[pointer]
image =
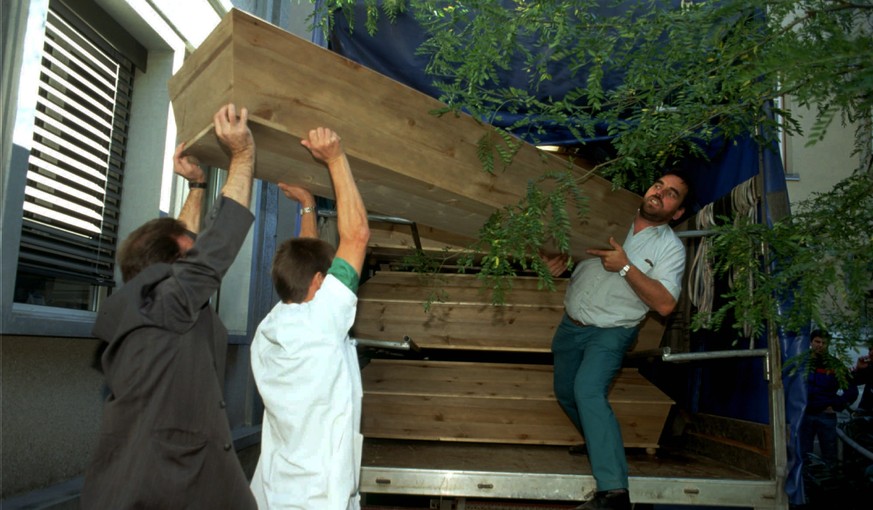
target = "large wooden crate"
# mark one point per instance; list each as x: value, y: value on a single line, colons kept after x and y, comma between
x: 460, y: 314
x: 407, y: 162
x: 495, y: 403
x: 482, y: 402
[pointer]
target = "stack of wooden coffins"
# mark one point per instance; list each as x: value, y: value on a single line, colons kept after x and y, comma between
x: 482, y: 401
x: 424, y: 168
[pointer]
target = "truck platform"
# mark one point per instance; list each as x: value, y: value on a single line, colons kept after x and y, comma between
x: 550, y: 473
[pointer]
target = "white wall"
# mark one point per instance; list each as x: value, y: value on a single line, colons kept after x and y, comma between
x: 820, y: 166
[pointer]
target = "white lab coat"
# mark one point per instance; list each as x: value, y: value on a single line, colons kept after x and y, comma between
x: 306, y: 370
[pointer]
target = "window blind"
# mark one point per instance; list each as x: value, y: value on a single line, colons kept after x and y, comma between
x: 76, y: 163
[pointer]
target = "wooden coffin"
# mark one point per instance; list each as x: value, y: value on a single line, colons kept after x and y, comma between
x: 495, y: 403
x: 460, y: 315
x: 407, y: 162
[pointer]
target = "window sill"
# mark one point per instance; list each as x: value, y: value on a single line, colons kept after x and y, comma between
x: 25, y: 319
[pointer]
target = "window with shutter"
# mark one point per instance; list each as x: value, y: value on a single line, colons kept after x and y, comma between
x: 75, y: 169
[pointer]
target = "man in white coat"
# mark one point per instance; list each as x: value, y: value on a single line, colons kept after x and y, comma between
x: 304, y: 363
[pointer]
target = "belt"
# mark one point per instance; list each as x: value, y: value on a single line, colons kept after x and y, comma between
x: 574, y: 321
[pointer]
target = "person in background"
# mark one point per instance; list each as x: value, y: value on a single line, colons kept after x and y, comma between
x: 825, y: 398
x: 165, y: 440
x: 608, y: 297
x: 304, y: 363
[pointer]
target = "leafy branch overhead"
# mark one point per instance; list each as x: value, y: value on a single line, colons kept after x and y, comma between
x: 662, y: 80
x: 513, y: 236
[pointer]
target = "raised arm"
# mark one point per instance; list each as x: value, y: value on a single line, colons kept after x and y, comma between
x: 237, y: 141
x: 308, y: 223
x: 354, y: 231
x: 188, y: 167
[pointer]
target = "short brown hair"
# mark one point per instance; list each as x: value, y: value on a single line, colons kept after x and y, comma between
x: 153, y: 242
x: 295, y: 263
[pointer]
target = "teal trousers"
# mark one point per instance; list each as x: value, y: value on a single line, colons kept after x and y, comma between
x: 587, y: 359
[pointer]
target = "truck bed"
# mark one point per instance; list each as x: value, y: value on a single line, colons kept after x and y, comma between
x: 538, y: 472
x: 473, y: 414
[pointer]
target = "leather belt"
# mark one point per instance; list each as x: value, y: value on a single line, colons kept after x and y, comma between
x: 574, y: 321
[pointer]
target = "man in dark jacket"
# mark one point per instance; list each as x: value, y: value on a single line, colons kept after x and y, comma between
x: 165, y: 440
x: 825, y: 398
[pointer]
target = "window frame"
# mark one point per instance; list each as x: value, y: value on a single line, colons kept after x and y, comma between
x: 76, y: 165
x: 152, y: 124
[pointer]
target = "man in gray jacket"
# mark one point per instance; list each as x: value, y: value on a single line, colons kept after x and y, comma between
x: 165, y: 439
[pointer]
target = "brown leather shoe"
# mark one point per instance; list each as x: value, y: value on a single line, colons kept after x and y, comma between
x: 608, y: 500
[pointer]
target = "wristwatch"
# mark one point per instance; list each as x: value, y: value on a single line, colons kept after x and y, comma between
x: 304, y: 210
x: 624, y: 270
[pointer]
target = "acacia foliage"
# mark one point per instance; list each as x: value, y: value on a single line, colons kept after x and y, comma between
x: 812, y: 267
x: 661, y: 77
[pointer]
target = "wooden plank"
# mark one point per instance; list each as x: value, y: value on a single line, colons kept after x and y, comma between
x: 497, y: 420
x: 494, y: 403
x: 459, y: 289
x: 490, y: 380
x: 408, y: 162
x: 459, y: 326
x: 651, y: 333
x: 398, y: 239
x: 473, y: 420
x: 461, y: 379
x: 391, y: 305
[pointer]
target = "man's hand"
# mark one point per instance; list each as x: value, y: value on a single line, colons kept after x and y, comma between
x: 233, y: 132
x: 308, y: 221
x: 613, y: 260
x: 351, y: 215
x: 556, y: 263
x: 324, y: 144
x: 297, y: 193
x: 236, y: 139
x: 187, y: 166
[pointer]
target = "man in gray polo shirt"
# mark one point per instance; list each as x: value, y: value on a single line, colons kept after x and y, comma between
x: 608, y: 297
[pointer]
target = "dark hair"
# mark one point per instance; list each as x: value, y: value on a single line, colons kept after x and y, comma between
x: 295, y: 263
x: 151, y: 243
x: 688, y: 201
x: 819, y: 333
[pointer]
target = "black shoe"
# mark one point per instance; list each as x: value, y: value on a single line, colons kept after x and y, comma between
x: 608, y: 500
x: 578, y: 449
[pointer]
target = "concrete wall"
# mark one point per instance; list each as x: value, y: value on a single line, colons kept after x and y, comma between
x: 52, y: 403
x: 52, y: 399
x: 819, y: 167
